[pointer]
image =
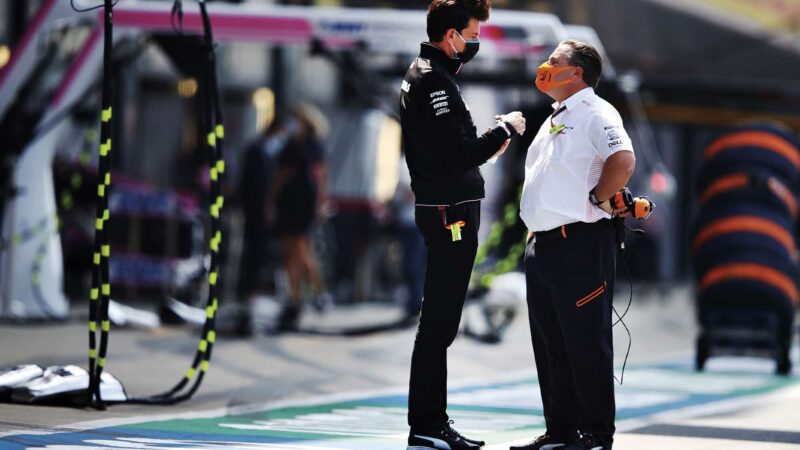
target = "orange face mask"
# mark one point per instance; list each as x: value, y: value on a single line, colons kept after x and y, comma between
x: 545, y: 77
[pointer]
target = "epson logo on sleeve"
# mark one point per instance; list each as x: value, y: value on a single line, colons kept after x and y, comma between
x: 612, y: 127
x: 437, y: 94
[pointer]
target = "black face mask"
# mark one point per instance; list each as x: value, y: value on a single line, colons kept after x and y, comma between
x: 470, y: 50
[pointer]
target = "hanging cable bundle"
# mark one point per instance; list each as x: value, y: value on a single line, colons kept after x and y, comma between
x: 213, y: 123
x: 101, y: 285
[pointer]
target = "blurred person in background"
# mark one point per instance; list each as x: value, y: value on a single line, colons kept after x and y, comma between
x: 443, y: 153
x: 258, y: 169
x: 296, y: 197
x: 580, y: 158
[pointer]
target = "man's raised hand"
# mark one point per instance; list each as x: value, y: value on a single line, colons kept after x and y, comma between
x: 515, y: 119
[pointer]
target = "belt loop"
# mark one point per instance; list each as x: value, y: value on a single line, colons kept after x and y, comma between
x: 564, y: 231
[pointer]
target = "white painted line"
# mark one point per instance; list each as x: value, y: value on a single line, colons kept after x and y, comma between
x: 506, y: 377
x: 715, y: 407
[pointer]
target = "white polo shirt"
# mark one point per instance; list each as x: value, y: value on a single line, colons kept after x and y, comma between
x: 564, y: 162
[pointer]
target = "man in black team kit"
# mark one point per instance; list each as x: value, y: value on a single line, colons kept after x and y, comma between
x: 443, y: 152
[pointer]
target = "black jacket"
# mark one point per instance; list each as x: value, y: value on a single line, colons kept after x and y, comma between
x: 442, y: 147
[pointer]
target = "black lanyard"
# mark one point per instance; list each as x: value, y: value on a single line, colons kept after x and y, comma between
x: 560, y: 110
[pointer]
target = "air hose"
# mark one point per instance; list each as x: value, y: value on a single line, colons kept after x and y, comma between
x: 101, y: 286
x: 213, y: 124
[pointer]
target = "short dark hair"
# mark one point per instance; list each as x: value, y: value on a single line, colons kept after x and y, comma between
x: 446, y: 14
x: 586, y: 56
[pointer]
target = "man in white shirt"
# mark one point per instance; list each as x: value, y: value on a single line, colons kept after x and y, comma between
x: 578, y: 160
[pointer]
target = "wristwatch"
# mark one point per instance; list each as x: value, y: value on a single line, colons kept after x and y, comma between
x: 593, y: 198
x: 509, y: 129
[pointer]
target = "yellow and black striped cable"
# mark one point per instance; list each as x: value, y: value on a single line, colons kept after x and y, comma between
x: 26, y: 235
x: 100, y: 293
x: 515, y: 253
x: 101, y: 287
x: 215, y: 138
x: 36, y: 273
x: 37, y: 232
x: 67, y: 197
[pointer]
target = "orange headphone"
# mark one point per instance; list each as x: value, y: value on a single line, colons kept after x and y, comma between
x: 640, y: 207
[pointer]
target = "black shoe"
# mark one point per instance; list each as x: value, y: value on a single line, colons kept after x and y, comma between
x: 543, y: 442
x: 444, y: 439
x: 449, y: 427
x: 586, y: 441
x: 289, y: 318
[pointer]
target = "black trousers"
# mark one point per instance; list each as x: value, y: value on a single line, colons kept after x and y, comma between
x: 447, y: 274
x: 570, y: 283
